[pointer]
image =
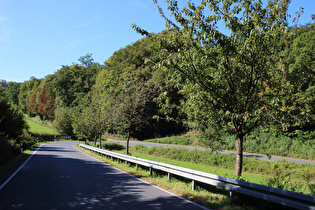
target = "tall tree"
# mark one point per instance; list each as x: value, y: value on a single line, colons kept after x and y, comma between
x: 74, y: 82
x: 136, y: 62
x: 91, y: 118
x: 46, y: 98
x: 11, y: 119
x: 33, y: 101
x: 13, y: 93
x: 129, y: 105
x: 64, y: 121
x: 26, y: 89
x: 225, y: 72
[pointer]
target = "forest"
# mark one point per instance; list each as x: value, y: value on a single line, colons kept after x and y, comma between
x: 188, y: 77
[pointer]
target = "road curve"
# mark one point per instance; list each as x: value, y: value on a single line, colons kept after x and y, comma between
x: 250, y: 155
x: 58, y: 176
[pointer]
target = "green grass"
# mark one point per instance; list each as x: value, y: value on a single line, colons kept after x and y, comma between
x: 186, y: 139
x: 259, y: 141
x: 39, y: 128
x: 282, y: 174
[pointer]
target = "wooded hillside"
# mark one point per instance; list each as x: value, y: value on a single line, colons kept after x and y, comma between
x: 190, y: 76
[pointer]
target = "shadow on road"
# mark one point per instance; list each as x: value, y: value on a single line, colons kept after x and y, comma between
x: 64, y: 178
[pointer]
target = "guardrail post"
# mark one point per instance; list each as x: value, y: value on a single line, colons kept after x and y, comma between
x: 150, y: 170
x: 169, y: 176
x: 136, y: 166
x: 193, y: 185
x: 232, y: 194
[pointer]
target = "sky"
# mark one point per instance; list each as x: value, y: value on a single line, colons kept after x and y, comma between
x: 38, y: 37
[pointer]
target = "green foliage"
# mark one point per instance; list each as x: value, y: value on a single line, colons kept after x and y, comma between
x: 113, y: 146
x: 300, y: 100
x: 11, y: 119
x: 134, y: 61
x: 63, y: 122
x: 129, y: 75
x: 33, y: 102
x: 26, y: 89
x: 91, y: 119
x: 223, y: 84
x: 226, y: 77
x: 73, y: 82
x: 13, y: 93
x: 12, y: 90
x: 260, y: 141
x: 187, y: 139
x: 285, y: 180
x: 264, y: 141
x: 194, y: 156
x: 8, y: 149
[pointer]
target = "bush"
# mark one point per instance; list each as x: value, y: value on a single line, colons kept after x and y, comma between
x: 264, y: 141
x: 187, y: 139
x: 112, y: 146
x: 8, y: 149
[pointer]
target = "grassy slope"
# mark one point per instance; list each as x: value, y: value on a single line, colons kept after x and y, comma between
x: 39, y: 128
x: 300, y: 150
x: 295, y: 180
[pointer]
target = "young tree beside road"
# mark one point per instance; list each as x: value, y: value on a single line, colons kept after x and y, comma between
x: 227, y: 73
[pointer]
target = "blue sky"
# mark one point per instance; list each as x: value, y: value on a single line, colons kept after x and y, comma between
x: 37, y: 37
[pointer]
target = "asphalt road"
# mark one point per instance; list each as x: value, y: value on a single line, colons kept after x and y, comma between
x: 250, y: 155
x: 58, y: 176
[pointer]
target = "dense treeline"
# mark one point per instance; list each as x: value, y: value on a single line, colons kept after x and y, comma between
x: 147, y: 89
x: 75, y: 88
x: 76, y: 96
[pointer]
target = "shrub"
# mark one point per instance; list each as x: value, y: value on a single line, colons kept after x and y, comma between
x: 113, y: 146
x: 8, y: 149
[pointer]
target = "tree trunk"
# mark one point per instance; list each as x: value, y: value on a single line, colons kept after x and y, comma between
x: 127, y: 145
x: 94, y: 141
x: 100, y: 136
x: 239, y: 155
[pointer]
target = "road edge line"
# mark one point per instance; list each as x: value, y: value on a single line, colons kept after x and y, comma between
x: 11, y: 177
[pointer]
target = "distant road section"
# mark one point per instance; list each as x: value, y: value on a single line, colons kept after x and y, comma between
x: 251, y: 155
x: 58, y: 176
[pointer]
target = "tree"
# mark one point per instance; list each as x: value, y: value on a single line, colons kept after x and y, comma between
x: 299, y: 103
x: 33, y: 101
x: 11, y: 119
x: 73, y: 82
x: 63, y: 121
x: 26, y: 89
x: 13, y: 93
x: 136, y: 62
x: 225, y: 73
x: 129, y: 105
x: 91, y: 119
x: 46, y: 104
x: 46, y: 98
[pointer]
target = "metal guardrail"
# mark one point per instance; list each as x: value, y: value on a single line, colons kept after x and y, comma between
x: 283, y: 197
